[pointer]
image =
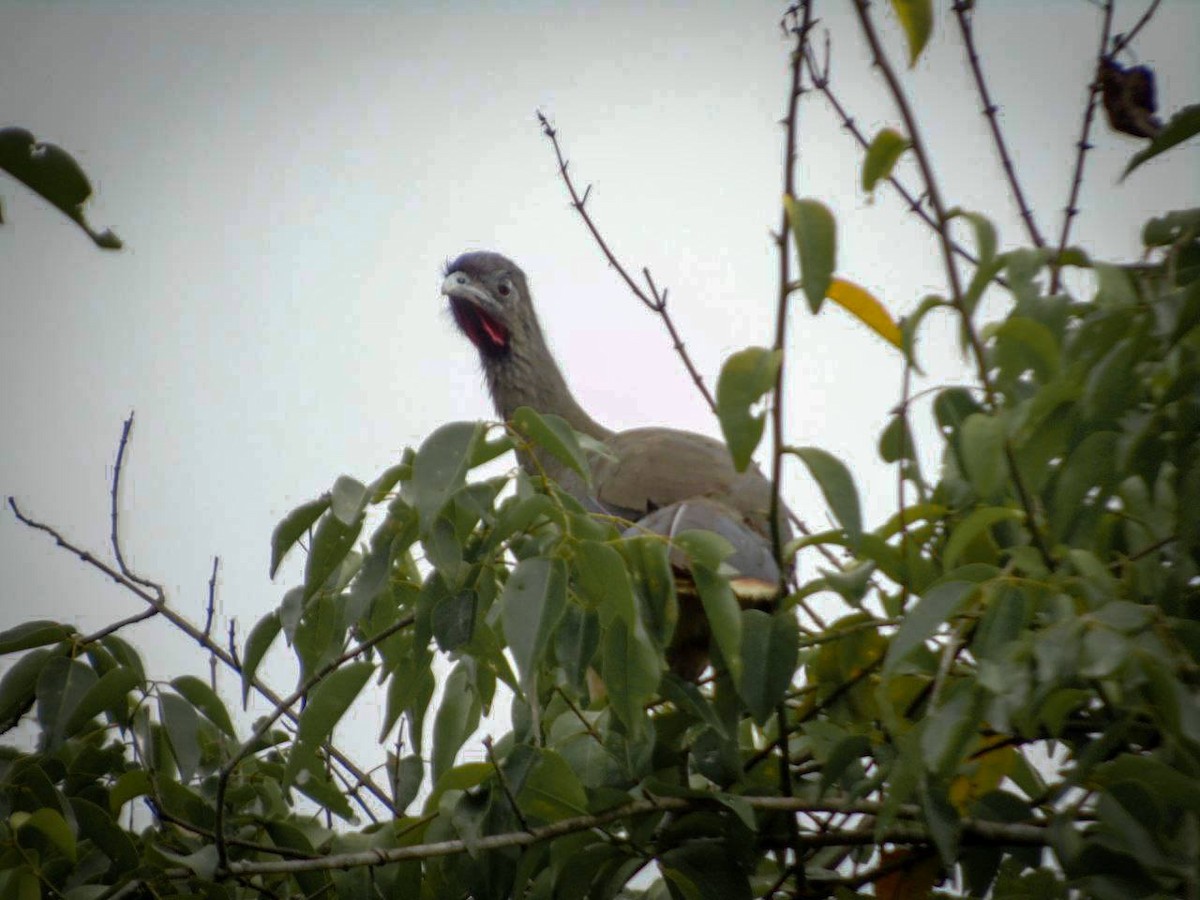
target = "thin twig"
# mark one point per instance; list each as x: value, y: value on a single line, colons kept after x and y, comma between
x: 820, y: 81
x: 798, y: 22
x: 117, y: 626
x: 1121, y: 41
x: 1082, y: 145
x: 114, y: 513
x: 282, y: 707
x: 655, y: 301
x: 195, y: 634
x: 964, y: 13
x: 504, y: 785
x: 939, y: 209
x: 208, y: 621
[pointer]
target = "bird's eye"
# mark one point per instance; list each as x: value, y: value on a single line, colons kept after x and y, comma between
x: 504, y: 289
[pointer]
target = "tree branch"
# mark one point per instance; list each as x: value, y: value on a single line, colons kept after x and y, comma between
x: 964, y: 12
x: 655, y: 301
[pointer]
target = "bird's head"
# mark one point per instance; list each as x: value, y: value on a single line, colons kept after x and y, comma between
x: 489, y: 298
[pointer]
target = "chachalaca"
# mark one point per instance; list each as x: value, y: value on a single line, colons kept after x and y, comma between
x: 662, y: 480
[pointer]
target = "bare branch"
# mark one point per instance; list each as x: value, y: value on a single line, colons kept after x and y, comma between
x: 973, y: 830
x: 964, y: 12
x: 113, y: 516
x: 197, y: 635
x: 1121, y: 41
x: 1082, y: 145
x: 655, y: 301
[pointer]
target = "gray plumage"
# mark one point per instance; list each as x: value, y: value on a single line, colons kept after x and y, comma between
x: 661, y: 479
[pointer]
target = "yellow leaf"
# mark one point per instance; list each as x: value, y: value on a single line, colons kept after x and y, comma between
x: 916, y: 17
x: 859, y: 303
x: 987, y: 768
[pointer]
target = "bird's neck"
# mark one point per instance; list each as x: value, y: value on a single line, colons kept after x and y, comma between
x: 529, y: 376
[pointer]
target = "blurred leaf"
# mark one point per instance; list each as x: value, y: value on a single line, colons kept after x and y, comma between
x: 552, y: 791
x: 182, y: 726
x: 51, y: 824
x: 916, y: 17
x: 35, y: 633
x: 109, y: 693
x: 440, y: 468
x: 61, y: 685
x: 602, y: 580
x: 814, y: 231
x: 348, y: 499
x: 705, y: 870
x: 293, y: 527
x: 456, y: 719
x: 770, y: 652
x: 331, y: 542
x: 257, y: 644
x: 201, y: 696
x: 886, y: 148
x: 95, y: 824
x: 554, y: 435
x: 632, y: 670
x: 745, y: 378
x: 723, y: 614
x: 863, y: 306
x: 407, y: 774
x: 974, y: 526
x: 52, y: 173
x: 18, y: 685
x: 1180, y: 127
x: 453, y: 620
x: 327, y: 703
x: 938, y: 606
x: 982, y: 438
x: 837, y: 486
x: 532, y: 605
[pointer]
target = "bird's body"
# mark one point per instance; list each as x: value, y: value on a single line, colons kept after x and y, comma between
x: 662, y: 480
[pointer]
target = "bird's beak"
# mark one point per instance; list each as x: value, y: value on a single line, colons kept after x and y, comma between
x: 459, y: 286
x: 474, y: 311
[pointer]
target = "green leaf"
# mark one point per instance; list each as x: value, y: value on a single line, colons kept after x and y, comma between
x: 886, y: 148
x: 814, y: 231
x: 261, y: 637
x: 837, y: 486
x: 916, y: 17
x: 745, y: 378
x: 348, y: 499
x: 293, y: 527
x: 51, y: 824
x: 552, y: 790
x: 982, y: 439
x: 129, y: 785
x: 938, y: 606
x: 97, y: 825
x: 632, y: 670
x: 203, y: 863
x: 554, y: 435
x: 453, y: 620
x: 33, y: 634
x: 532, y: 603
x: 17, y: 687
x: 109, y: 693
x: 61, y: 685
x: 974, y: 525
x: 723, y: 614
x: 1183, y: 125
x: 705, y: 870
x: 456, y: 719
x: 407, y: 775
x: 770, y: 651
x: 182, y: 726
x: 51, y: 172
x: 602, y: 581
x: 331, y: 542
x: 201, y: 696
x: 327, y: 703
x: 440, y: 468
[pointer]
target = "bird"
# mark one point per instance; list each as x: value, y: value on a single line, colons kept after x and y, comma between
x: 661, y: 480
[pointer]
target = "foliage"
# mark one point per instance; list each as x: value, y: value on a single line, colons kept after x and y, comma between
x: 1010, y: 703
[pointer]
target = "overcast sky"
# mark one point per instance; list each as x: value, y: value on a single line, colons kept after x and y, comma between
x: 288, y: 185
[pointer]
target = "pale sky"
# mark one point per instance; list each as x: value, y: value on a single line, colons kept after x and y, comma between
x: 289, y: 183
